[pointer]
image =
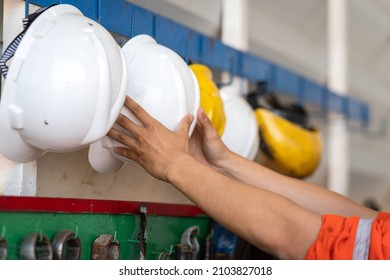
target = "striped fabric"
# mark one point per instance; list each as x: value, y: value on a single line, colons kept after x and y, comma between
x: 9, y: 52
x: 362, y: 240
x: 11, y: 49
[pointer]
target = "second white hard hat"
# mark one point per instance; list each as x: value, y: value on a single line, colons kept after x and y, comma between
x: 241, y: 131
x: 162, y: 83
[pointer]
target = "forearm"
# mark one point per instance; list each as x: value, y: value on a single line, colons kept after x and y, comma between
x: 269, y: 221
x: 308, y: 196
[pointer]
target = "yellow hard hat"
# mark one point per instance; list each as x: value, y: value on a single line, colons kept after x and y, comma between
x: 210, y: 99
x: 297, y: 150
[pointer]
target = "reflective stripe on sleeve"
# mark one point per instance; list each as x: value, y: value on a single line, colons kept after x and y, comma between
x: 362, y: 240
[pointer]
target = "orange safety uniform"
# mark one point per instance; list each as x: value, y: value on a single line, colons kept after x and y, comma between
x: 336, y: 239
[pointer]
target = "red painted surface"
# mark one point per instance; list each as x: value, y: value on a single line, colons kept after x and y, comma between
x: 71, y: 205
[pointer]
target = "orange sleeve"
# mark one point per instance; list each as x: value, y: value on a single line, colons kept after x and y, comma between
x: 380, y: 238
x: 335, y: 240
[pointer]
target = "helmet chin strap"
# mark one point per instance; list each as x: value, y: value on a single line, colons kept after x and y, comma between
x: 11, y: 49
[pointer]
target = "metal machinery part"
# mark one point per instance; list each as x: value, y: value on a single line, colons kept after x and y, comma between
x: 105, y: 248
x: 114, y: 250
x: 167, y: 254
x: 189, y: 238
x: 183, y: 252
x: 208, y: 246
x: 36, y: 246
x: 142, y: 234
x: 164, y: 256
x: 3, y: 249
x: 66, y: 246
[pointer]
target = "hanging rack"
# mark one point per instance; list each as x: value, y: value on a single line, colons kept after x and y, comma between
x: 129, y: 20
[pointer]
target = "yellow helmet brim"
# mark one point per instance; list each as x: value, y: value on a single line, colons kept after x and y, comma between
x: 210, y: 99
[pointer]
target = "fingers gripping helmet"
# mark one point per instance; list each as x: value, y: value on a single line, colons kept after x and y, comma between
x: 210, y: 99
x: 64, y: 88
x: 241, y: 131
x: 161, y: 82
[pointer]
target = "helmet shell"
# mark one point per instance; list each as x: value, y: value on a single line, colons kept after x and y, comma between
x: 241, y: 131
x: 65, y: 86
x: 295, y: 149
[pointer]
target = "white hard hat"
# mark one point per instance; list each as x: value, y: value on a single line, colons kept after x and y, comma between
x: 241, y: 131
x: 65, y: 86
x: 162, y: 83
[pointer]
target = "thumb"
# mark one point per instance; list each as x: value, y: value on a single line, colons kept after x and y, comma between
x: 185, y: 123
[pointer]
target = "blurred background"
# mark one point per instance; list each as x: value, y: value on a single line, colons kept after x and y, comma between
x: 294, y: 34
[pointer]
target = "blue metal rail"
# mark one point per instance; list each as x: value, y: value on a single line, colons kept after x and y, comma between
x: 129, y: 20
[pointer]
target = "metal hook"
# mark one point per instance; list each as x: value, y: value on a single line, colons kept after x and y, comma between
x: 133, y: 241
x: 364, y: 125
x: 189, y: 238
x: 114, y: 239
x: 26, y: 8
x: 253, y: 97
x: 163, y: 255
x: 132, y: 26
x: 231, y: 75
x: 40, y: 235
x: 3, y: 231
x: 186, y: 54
x: 142, y: 236
x: 99, y: 11
x: 375, y: 134
x: 323, y: 112
x: 370, y: 134
x: 76, y: 233
x: 263, y: 88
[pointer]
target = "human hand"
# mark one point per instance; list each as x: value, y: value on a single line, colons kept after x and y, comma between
x: 205, y: 143
x: 153, y: 146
